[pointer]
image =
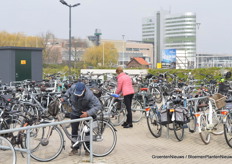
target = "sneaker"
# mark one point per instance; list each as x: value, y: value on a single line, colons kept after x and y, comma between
x: 73, y: 152
x: 128, y: 126
x: 124, y: 124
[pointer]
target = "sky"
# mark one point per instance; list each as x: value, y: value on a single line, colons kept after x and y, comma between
x: 116, y: 18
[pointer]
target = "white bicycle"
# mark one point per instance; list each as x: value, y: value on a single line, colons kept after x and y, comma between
x: 211, y: 120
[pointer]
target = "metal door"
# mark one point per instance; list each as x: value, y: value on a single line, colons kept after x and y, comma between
x: 22, y: 65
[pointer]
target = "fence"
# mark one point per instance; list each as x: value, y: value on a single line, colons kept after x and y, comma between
x: 45, y: 125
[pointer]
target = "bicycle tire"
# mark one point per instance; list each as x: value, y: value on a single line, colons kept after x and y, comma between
x: 137, y: 110
x: 13, y: 123
x: 178, y: 130
x: 228, y: 131
x: 5, y: 126
x: 118, y: 116
x: 192, y: 125
x: 101, y: 128
x: 44, y: 150
x: 6, y: 156
x: 204, y: 133
x: 218, y: 125
x: 153, y: 124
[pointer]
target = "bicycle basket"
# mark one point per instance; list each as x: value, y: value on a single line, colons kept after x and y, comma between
x: 219, y: 100
x: 53, y: 108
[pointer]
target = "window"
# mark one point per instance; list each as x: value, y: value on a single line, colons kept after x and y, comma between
x: 135, y: 49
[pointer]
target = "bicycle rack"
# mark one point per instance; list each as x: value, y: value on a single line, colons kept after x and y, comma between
x: 45, y: 125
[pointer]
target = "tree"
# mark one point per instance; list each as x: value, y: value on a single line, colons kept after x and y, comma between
x: 19, y: 40
x: 103, y: 55
x: 51, y: 53
x: 78, y: 47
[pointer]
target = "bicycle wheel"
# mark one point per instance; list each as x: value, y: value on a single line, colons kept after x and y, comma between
x: 204, y: 133
x: 153, y: 124
x: 118, y: 116
x: 46, y: 146
x: 104, y: 138
x: 10, y: 124
x: 137, y: 110
x: 228, y: 131
x: 192, y: 125
x: 7, y: 152
x: 178, y: 130
x: 218, y: 128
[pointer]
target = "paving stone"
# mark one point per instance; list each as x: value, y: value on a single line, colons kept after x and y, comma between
x: 137, y: 146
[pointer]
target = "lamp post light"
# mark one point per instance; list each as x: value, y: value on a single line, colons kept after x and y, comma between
x: 123, y: 53
x: 70, y: 39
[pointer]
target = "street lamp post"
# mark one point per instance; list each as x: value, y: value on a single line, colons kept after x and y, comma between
x: 123, y: 50
x: 70, y: 39
x: 103, y: 62
x: 198, y: 26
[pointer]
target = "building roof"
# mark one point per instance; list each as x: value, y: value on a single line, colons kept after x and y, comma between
x: 141, y: 61
x: 21, y: 48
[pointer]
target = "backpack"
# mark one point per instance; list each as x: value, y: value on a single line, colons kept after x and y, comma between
x: 96, y: 91
x: 54, y: 107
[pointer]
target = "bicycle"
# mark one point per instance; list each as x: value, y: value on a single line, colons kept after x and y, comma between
x: 153, y: 120
x: 7, y: 151
x: 227, y: 121
x: 10, y: 120
x: 173, y: 112
x: 104, y: 138
x: 210, y: 120
x: 114, y: 107
x: 139, y: 103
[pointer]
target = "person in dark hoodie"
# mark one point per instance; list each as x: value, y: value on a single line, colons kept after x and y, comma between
x: 84, y: 104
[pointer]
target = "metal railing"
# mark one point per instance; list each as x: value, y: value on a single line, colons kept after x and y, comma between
x: 27, y: 150
x: 195, y: 100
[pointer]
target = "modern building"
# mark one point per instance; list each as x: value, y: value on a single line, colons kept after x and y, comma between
x: 213, y: 60
x: 172, y: 31
x: 148, y: 29
x: 130, y: 49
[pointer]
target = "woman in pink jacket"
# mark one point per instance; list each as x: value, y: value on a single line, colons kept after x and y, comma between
x: 125, y: 88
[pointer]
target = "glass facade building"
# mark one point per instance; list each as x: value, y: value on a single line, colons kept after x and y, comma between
x: 172, y: 31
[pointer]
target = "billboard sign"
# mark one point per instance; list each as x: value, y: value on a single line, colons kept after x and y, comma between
x: 169, y: 58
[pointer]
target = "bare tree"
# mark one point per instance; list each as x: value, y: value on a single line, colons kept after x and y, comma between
x: 47, y: 41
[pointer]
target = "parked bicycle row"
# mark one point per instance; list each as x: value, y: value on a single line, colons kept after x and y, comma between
x: 171, y: 104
